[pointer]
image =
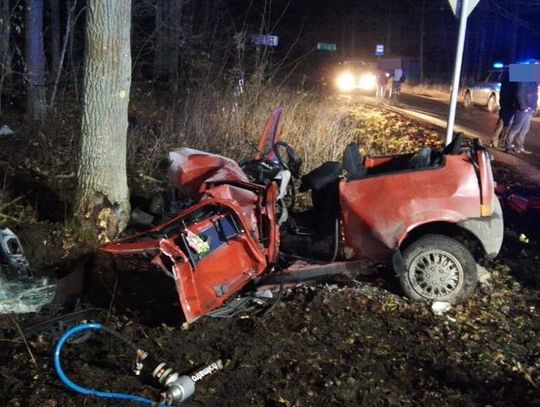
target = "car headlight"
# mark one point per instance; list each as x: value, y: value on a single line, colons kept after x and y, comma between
x: 368, y: 81
x: 345, y: 82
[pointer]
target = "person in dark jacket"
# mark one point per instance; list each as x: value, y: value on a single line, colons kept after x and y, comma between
x: 507, y: 102
x: 526, y: 103
x: 382, y: 81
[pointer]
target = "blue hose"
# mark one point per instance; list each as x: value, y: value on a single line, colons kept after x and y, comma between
x: 84, y: 390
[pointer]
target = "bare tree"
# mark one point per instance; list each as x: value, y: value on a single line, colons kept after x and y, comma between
x: 175, y: 33
x: 35, y: 60
x: 160, y: 48
x: 55, y: 37
x: 5, y: 51
x: 421, y: 42
x: 71, y: 19
x: 102, y: 201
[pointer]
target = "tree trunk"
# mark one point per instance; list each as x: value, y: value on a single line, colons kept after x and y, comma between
x: 173, y: 54
x: 389, y: 23
x: 35, y: 60
x: 5, y: 51
x: 421, y: 42
x: 514, y: 52
x: 160, y: 48
x: 102, y: 201
x: 481, y: 49
x: 55, y: 38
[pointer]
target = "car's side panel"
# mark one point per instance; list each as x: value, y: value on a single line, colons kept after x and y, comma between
x: 379, y: 211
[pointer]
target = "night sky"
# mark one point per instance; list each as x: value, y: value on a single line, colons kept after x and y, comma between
x: 498, y: 30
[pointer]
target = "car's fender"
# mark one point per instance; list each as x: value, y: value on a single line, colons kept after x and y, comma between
x: 488, y: 230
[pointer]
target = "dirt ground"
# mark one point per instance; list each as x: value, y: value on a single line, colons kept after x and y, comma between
x: 351, y: 343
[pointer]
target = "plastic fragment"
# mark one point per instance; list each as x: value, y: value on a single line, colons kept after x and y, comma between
x: 196, y: 243
x: 440, y: 307
x: 523, y: 238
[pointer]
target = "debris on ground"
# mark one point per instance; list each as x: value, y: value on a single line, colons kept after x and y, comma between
x: 519, y: 199
x: 440, y: 307
x: 24, y: 296
x: 5, y: 132
x: 13, y: 262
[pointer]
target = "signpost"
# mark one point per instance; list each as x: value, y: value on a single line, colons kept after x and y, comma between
x: 461, y: 8
x: 265, y: 40
x: 379, y: 50
x: 325, y: 46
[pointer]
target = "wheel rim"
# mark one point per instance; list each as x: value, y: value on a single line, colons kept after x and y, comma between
x: 436, y: 274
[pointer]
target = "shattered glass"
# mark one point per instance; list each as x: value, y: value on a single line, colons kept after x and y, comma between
x: 20, y: 292
x: 27, y: 295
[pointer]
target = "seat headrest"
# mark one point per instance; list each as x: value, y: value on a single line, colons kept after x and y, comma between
x: 352, y: 162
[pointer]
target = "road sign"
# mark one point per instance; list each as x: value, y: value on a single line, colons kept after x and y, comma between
x: 266, y: 40
x: 325, y: 46
x: 379, y: 50
x: 456, y: 6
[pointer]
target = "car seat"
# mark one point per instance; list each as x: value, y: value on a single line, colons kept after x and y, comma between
x: 352, y: 162
x: 422, y: 159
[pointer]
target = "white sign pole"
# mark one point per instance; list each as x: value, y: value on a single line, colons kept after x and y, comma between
x: 457, y: 69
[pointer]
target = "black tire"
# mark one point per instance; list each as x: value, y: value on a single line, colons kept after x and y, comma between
x: 491, y: 104
x: 452, y: 274
x: 467, y: 100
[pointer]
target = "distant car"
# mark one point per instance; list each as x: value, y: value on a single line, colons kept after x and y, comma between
x: 484, y: 92
x: 354, y: 76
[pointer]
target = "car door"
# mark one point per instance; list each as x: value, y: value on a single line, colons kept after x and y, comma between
x: 486, y: 88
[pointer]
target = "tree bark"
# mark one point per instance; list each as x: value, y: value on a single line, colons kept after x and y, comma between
x: 55, y: 38
x: 160, y: 48
x: 421, y: 42
x: 102, y: 202
x: 5, y: 51
x: 390, y: 22
x: 35, y: 60
x: 173, y: 54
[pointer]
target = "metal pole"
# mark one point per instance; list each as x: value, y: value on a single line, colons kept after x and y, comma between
x: 457, y: 70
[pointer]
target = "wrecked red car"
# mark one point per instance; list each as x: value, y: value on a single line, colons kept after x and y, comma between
x: 432, y: 215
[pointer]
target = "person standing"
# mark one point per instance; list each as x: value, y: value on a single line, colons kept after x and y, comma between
x: 382, y: 82
x: 526, y: 103
x: 397, y: 78
x: 507, y: 102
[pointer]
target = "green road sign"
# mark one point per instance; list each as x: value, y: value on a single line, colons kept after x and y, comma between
x: 325, y: 46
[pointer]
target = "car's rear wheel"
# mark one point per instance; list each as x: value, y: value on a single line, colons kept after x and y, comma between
x: 467, y: 100
x: 438, y: 268
x: 491, y: 104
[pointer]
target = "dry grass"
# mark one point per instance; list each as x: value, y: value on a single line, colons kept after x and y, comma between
x: 437, y: 90
x: 317, y: 126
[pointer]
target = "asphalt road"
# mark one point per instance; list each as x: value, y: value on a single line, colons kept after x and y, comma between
x: 475, y: 122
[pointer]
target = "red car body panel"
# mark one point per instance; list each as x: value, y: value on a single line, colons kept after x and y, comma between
x: 377, y: 212
x: 206, y: 283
